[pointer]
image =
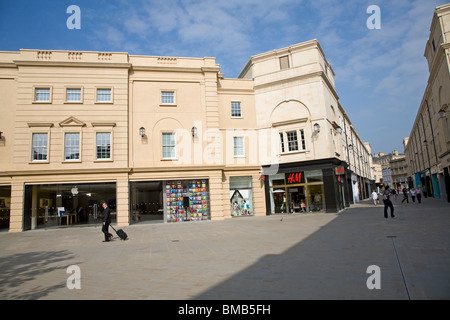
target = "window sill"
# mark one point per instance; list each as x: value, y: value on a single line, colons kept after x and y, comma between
x: 39, y: 162
x: 168, y: 105
x: 293, y: 152
x: 103, y: 160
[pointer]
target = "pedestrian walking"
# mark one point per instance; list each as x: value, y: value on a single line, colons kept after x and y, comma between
x: 387, y: 202
x: 374, y: 197
x: 106, y: 221
x: 405, y: 195
x: 394, y: 192
x: 413, y: 194
x: 419, y: 194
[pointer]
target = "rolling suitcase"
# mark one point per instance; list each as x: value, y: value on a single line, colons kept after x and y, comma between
x: 122, y: 234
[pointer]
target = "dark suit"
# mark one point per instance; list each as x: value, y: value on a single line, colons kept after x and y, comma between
x: 106, y: 220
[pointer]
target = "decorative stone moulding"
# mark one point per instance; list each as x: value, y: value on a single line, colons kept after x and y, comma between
x: 44, y: 55
x: 167, y: 60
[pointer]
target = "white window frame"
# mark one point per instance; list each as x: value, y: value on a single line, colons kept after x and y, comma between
x: 47, y: 147
x: 73, y: 101
x: 163, y: 145
x: 286, y: 148
x: 173, y: 103
x: 110, y: 145
x: 111, y: 100
x: 66, y: 147
x: 235, y: 104
x: 35, y: 93
x: 239, y: 147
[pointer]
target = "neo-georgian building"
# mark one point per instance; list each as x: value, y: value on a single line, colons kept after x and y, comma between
x: 171, y: 139
x: 428, y: 149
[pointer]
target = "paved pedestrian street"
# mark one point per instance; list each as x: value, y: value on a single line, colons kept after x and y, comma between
x: 302, y: 256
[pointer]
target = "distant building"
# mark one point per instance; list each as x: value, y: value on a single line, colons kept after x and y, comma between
x: 428, y: 149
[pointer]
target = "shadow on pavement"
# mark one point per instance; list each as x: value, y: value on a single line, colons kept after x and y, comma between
x: 23, y: 275
x: 333, y: 262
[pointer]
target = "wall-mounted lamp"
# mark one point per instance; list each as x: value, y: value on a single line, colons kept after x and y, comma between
x: 194, y: 131
x: 425, y: 141
x: 316, y: 128
x: 442, y: 113
x: 350, y: 147
x: 142, y: 131
x: 338, y: 129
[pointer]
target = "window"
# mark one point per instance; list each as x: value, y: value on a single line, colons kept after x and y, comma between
x: 42, y: 95
x: 284, y: 62
x: 104, y: 95
x: 292, y: 141
x: 73, y: 95
x: 168, y: 145
x: 238, y: 146
x: 103, y: 145
x: 40, y: 147
x: 167, y: 97
x: 302, y: 136
x: 72, y: 146
x: 236, y: 111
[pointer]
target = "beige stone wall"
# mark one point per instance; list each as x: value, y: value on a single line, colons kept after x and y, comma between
x: 272, y: 101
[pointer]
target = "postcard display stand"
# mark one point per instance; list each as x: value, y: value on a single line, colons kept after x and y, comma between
x: 196, y: 191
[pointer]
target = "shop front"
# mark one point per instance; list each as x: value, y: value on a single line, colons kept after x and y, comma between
x: 169, y: 201
x: 241, y: 196
x: 186, y: 200
x: 51, y: 205
x: 5, y: 206
x: 310, y: 187
x: 301, y: 191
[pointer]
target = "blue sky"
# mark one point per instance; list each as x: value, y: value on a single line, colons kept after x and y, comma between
x: 381, y: 75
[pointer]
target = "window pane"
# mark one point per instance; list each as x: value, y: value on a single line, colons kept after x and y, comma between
x: 168, y: 145
x: 282, y: 141
x: 42, y: 94
x: 104, y: 95
x: 236, y: 109
x: 238, y: 146
x: 104, y: 145
x: 73, y: 95
x: 72, y: 146
x: 292, y: 140
x: 39, y: 148
x: 302, y: 137
x: 167, y: 97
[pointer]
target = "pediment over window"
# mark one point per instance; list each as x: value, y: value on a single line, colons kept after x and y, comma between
x: 72, y: 122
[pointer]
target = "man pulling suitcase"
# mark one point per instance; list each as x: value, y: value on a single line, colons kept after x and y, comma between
x: 106, y: 221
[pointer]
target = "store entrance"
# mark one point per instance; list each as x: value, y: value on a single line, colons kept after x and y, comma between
x: 296, y: 199
x: 146, y: 201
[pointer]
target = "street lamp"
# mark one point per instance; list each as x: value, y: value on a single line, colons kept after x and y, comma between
x: 442, y: 114
x: 338, y: 129
x: 194, y: 131
x: 316, y: 128
x: 142, y: 131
